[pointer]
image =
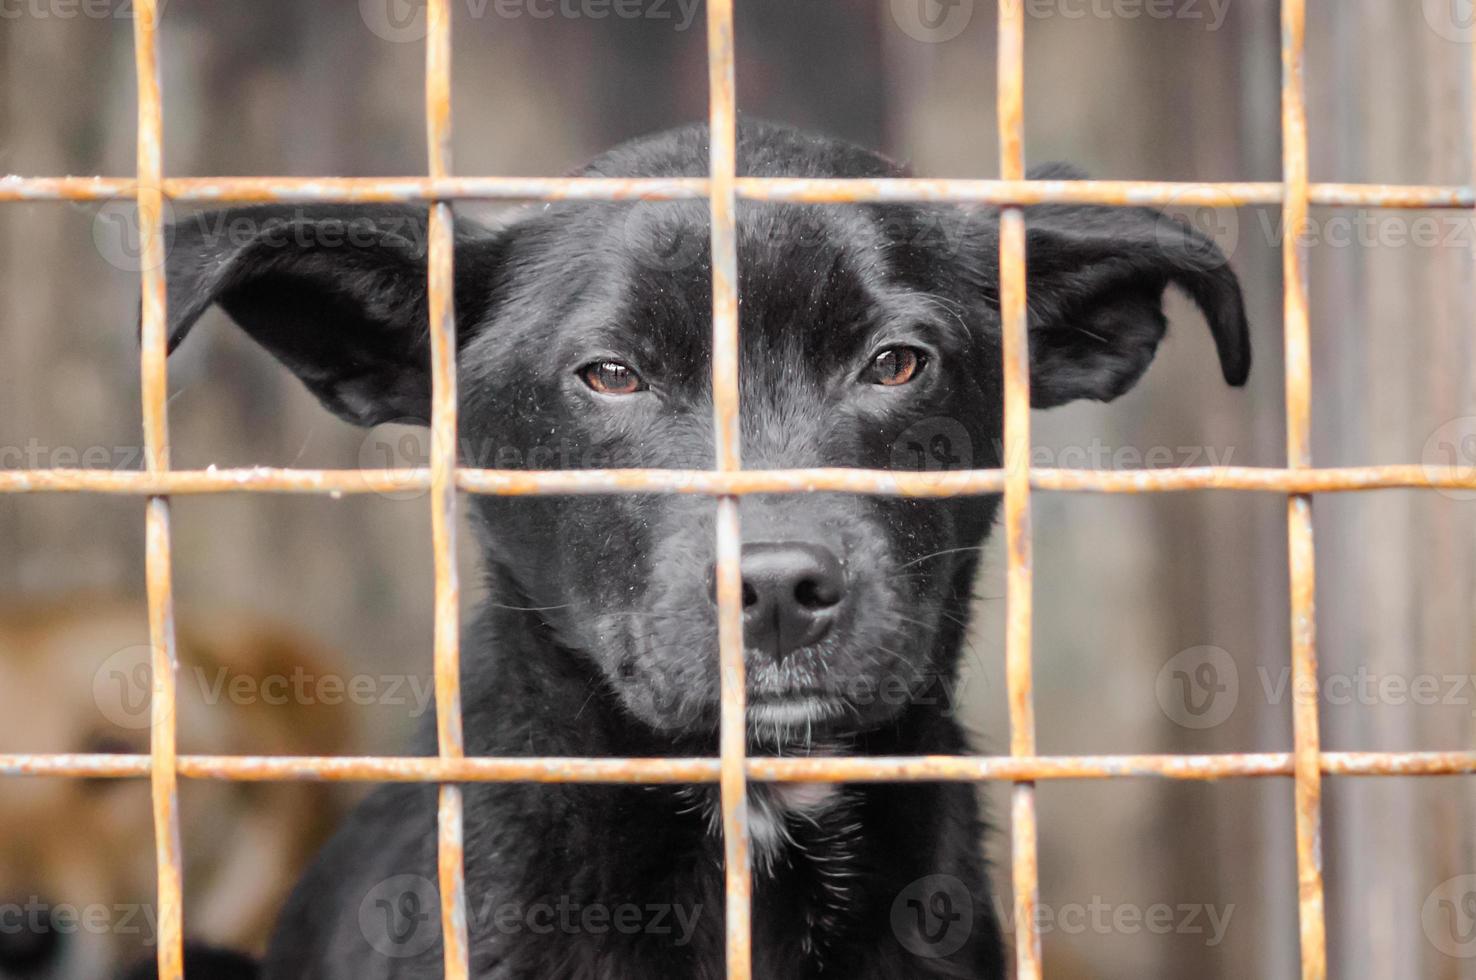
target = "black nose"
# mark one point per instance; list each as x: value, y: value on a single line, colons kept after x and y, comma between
x: 791, y: 593
x: 29, y: 944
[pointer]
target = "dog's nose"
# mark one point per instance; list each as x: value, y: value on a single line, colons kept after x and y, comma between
x: 791, y: 593
x: 31, y: 945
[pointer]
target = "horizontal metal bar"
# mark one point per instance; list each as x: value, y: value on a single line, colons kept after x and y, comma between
x: 425, y: 189
x: 27, y: 189
x: 1109, y: 192
x: 430, y: 769
x: 263, y: 190
x: 516, y: 483
x: 243, y: 190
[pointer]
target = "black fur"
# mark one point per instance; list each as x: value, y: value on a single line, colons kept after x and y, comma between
x: 203, y: 963
x: 598, y: 638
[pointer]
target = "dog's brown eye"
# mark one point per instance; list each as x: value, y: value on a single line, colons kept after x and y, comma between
x: 895, y: 366
x: 612, y: 378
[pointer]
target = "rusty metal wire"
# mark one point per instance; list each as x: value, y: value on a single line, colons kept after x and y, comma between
x: 514, y: 483
x: 733, y: 734
x: 157, y: 564
x: 1019, y: 581
x: 417, y: 769
x: 290, y: 190
x: 1306, y: 764
x: 441, y: 290
x: 1302, y: 560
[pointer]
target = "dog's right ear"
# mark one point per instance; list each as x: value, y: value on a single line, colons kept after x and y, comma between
x: 336, y: 293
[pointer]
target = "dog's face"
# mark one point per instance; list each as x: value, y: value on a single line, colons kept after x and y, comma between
x: 869, y: 338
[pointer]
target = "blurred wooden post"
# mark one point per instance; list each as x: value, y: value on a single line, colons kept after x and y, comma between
x: 1395, y: 349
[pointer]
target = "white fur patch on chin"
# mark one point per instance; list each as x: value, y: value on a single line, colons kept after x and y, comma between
x: 770, y: 808
x: 804, y: 797
x: 787, y: 714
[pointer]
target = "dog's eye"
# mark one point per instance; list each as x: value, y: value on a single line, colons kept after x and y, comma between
x: 895, y: 366
x: 612, y: 378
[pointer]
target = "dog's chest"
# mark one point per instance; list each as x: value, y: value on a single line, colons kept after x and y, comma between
x: 809, y: 866
x: 783, y: 815
x: 807, y: 846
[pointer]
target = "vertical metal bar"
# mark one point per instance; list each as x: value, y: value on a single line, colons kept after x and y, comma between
x: 163, y: 749
x: 1302, y: 562
x: 722, y: 165
x: 1019, y: 585
x: 451, y: 869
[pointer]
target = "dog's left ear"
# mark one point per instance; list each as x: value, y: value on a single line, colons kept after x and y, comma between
x: 337, y: 293
x: 1095, y: 283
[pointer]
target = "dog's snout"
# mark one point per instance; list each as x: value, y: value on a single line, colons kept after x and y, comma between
x: 31, y: 945
x: 791, y: 593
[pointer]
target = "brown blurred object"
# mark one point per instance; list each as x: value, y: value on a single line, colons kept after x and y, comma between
x: 77, y: 679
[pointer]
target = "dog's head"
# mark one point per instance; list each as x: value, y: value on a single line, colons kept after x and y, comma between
x: 870, y: 338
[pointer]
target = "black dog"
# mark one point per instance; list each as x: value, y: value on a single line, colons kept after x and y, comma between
x: 870, y: 338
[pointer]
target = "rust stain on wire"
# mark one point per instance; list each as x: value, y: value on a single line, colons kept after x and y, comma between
x: 164, y: 781
x: 732, y: 737
x: 656, y: 771
x: 1019, y: 583
x: 738, y: 483
x: 1301, y: 555
x: 247, y: 190
x: 434, y: 188
x: 441, y: 291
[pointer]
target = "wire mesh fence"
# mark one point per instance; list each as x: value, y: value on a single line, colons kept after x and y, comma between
x: 1298, y: 481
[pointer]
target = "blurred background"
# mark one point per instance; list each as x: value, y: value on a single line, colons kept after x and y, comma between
x: 1162, y: 623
